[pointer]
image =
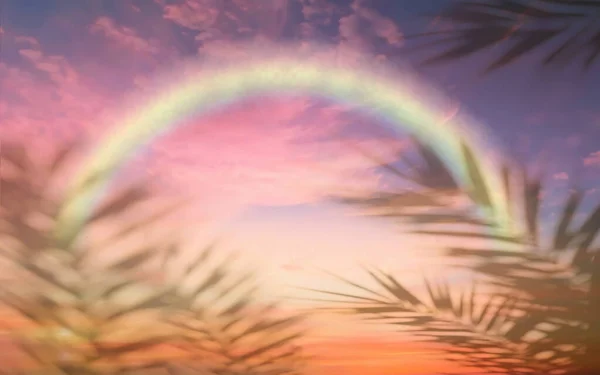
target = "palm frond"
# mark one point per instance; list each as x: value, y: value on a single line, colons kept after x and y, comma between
x: 482, y: 334
x: 429, y: 185
x: 569, y: 30
x: 568, y: 291
x: 223, y: 329
x: 556, y: 282
x: 545, y: 264
x: 431, y: 205
x: 427, y: 171
x: 578, y: 242
x: 90, y: 317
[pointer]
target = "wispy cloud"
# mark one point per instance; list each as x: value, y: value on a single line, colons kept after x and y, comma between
x: 252, y: 155
x: 124, y: 36
x: 193, y: 14
x: 361, y: 30
x: 45, y: 97
x: 562, y: 176
x: 234, y: 20
x: 592, y: 160
x: 365, y: 26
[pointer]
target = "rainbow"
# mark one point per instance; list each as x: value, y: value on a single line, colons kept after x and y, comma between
x: 388, y: 99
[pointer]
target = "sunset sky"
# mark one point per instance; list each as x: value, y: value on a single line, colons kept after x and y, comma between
x: 259, y: 170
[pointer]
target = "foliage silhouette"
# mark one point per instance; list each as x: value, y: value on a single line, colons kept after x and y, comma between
x: 541, y: 316
x: 569, y: 29
x: 88, y: 316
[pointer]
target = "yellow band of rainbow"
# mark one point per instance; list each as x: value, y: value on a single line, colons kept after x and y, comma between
x: 389, y: 100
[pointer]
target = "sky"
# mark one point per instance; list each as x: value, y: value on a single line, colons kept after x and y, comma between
x: 260, y: 170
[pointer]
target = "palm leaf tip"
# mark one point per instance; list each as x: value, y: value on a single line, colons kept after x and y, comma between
x: 567, y: 29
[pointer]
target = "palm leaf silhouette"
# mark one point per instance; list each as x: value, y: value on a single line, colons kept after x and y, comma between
x: 426, y: 179
x: 565, y: 30
x: 426, y: 202
x: 227, y: 332
x: 486, y: 336
x: 560, y: 278
x: 551, y: 288
x: 91, y: 317
x: 79, y: 315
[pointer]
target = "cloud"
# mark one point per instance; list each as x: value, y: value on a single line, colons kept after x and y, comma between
x: 251, y: 154
x: 360, y: 29
x: 267, y: 151
x: 45, y: 97
x: 27, y: 40
x: 592, y: 160
x: 193, y: 14
x: 234, y: 20
x: 561, y: 176
x: 56, y: 67
x: 124, y: 36
x: 219, y: 27
x: 319, y: 15
x: 363, y: 27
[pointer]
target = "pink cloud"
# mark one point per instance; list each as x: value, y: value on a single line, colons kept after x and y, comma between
x: 360, y: 29
x: 317, y: 15
x: 592, y: 160
x: 45, y: 97
x: 124, y: 36
x: 218, y: 30
x: 561, y: 176
x: 193, y: 14
x: 242, y: 18
x: 251, y: 154
x: 353, y: 31
x: 257, y: 152
x: 27, y: 41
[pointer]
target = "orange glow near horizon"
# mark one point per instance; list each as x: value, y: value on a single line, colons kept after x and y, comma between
x: 340, y: 355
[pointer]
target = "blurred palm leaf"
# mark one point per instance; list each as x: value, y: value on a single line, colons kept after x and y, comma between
x: 80, y: 315
x: 222, y: 328
x: 91, y: 317
x: 566, y: 30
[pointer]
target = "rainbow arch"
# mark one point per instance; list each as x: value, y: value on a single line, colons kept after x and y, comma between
x: 194, y: 96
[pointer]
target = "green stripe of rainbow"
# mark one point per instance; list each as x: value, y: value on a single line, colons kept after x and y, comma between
x: 393, y: 101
